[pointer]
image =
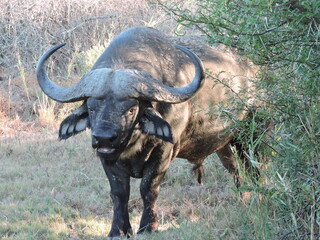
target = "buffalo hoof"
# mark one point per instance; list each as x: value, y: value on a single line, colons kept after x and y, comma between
x: 153, y: 227
x: 118, y: 235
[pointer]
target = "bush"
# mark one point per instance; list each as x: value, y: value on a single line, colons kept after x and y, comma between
x: 282, y: 37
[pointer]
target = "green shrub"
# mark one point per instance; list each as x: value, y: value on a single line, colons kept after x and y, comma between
x: 282, y: 37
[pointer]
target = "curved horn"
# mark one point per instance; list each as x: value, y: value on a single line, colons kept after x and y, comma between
x: 153, y: 90
x: 80, y: 91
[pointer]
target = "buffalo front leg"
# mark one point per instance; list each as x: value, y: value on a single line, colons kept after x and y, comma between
x: 149, y: 190
x: 153, y: 173
x: 120, y: 191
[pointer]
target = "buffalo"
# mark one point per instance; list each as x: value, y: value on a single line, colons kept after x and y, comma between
x: 147, y: 100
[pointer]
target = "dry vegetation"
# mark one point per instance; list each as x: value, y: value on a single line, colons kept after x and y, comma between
x: 28, y: 28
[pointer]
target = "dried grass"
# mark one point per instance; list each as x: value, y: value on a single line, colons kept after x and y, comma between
x: 28, y: 28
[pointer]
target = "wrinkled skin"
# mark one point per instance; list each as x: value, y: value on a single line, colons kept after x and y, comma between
x: 139, y: 138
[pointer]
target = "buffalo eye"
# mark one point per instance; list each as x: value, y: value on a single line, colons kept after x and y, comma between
x: 131, y: 111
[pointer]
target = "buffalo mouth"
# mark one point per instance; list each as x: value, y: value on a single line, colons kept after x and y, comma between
x: 109, y: 154
x: 105, y: 150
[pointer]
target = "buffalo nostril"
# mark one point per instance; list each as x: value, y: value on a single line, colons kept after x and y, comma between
x: 95, y: 142
x: 104, y: 137
x: 113, y: 138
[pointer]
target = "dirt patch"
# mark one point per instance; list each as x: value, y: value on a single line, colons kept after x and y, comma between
x: 18, y: 127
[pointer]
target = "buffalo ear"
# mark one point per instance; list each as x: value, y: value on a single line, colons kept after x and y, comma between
x: 75, y: 123
x: 152, y: 123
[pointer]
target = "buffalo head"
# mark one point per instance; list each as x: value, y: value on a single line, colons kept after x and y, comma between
x: 116, y: 103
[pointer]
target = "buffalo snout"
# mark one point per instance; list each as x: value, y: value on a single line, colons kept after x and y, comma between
x: 104, y: 138
x: 106, y: 143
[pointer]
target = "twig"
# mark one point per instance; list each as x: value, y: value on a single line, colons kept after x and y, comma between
x: 88, y: 20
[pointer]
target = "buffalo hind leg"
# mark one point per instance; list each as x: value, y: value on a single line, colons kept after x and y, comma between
x: 251, y: 171
x: 120, y: 191
x: 229, y: 162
